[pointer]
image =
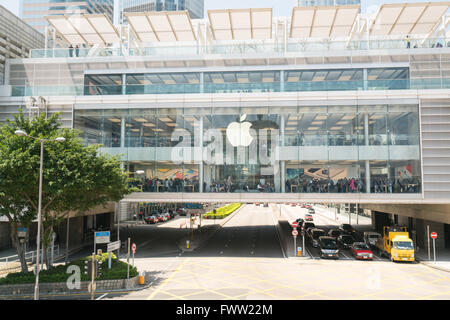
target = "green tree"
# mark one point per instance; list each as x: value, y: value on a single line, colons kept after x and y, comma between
x: 75, y: 177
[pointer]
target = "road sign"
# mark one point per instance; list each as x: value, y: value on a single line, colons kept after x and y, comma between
x: 294, y: 224
x: 113, y: 246
x: 294, y: 233
x: 133, y: 247
x: 102, y: 236
x: 433, y: 235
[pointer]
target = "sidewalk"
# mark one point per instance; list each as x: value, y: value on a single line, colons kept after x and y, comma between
x: 442, y: 258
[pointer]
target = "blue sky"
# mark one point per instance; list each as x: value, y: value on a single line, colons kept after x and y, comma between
x: 280, y: 7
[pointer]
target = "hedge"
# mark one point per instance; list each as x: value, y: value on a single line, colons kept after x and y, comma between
x: 58, y: 273
x: 222, y: 212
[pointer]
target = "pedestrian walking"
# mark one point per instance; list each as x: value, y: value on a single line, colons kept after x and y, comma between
x: 408, y: 42
x: 70, y: 50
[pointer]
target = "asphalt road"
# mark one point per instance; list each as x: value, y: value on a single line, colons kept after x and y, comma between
x: 322, y: 222
x: 250, y: 233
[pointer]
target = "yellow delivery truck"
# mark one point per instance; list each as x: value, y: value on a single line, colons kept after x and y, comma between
x: 396, y: 244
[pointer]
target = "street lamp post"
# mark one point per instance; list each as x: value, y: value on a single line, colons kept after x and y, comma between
x: 22, y: 133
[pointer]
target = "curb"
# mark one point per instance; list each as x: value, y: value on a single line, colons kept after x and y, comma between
x: 428, y: 264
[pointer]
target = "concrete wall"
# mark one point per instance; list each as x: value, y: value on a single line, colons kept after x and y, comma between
x: 431, y: 212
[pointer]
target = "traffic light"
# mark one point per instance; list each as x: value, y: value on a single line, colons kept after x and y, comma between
x: 98, y: 267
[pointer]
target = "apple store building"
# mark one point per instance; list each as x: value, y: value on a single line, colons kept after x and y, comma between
x: 266, y: 146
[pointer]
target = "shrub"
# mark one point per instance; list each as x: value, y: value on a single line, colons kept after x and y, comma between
x: 58, y: 273
x: 223, y: 211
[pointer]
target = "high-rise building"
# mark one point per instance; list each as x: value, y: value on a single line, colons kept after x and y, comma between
x: 312, y: 3
x: 194, y: 7
x: 34, y: 11
x: 16, y: 39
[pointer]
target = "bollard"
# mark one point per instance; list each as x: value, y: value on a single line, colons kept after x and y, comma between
x: 142, y: 278
x: 187, y: 244
x: 299, y: 251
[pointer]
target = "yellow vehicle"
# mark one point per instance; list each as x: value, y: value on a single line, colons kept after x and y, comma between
x: 396, y: 244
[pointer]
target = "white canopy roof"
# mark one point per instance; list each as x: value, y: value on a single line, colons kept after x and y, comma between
x: 241, y: 24
x: 87, y: 29
x: 162, y: 26
x: 408, y: 18
x: 323, y: 22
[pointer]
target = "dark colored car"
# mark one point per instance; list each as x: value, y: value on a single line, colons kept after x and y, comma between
x: 308, y: 225
x: 360, y: 250
x: 334, y: 233
x: 345, y: 241
x: 346, y: 228
x: 181, y: 211
x: 315, y: 234
x: 328, y: 247
x: 311, y: 211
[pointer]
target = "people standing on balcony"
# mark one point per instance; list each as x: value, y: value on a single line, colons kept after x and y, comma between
x: 408, y: 42
x: 70, y: 50
x: 77, y: 50
x: 229, y: 184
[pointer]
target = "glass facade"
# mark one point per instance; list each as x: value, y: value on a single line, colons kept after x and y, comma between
x: 194, y: 7
x: 303, y: 149
x: 248, y: 81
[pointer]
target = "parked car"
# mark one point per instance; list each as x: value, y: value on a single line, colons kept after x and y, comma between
x: 151, y: 220
x: 162, y: 218
x: 266, y: 205
x: 334, y: 233
x: 181, y: 211
x: 371, y: 238
x: 309, y: 217
x: 346, y: 228
x: 308, y: 225
x: 345, y: 241
x: 311, y: 211
x: 361, y: 250
x: 315, y: 234
x: 328, y: 247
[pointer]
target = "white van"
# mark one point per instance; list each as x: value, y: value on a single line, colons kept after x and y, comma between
x: 371, y: 238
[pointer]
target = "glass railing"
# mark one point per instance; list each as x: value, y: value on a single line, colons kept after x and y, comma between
x: 240, y: 48
x: 254, y: 87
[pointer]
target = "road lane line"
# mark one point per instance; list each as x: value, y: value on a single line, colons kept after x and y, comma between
x: 168, y: 279
x: 102, y: 296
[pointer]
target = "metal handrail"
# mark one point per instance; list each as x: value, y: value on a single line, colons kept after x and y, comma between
x: 28, y: 254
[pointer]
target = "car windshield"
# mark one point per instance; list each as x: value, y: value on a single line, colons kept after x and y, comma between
x: 373, y: 236
x: 318, y: 233
x: 362, y: 247
x: 328, y: 244
x: 347, y: 239
x: 346, y: 227
x: 403, y: 245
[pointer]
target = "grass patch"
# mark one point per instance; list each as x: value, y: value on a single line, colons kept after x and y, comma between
x: 59, y: 273
x: 222, y: 212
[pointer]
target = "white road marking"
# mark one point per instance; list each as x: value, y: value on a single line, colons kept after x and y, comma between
x: 102, y: 296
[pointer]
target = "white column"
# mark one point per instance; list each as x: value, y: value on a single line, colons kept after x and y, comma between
x: 124, y: 84
x: 283, y: 163
x: 202, y: 86
x: 366, y: 83
x: 366, y: 143
x: 282, y: 85
x: 200, y: 169
x: 122, y: 138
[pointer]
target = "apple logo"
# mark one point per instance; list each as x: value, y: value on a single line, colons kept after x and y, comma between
x: 238, y: 133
